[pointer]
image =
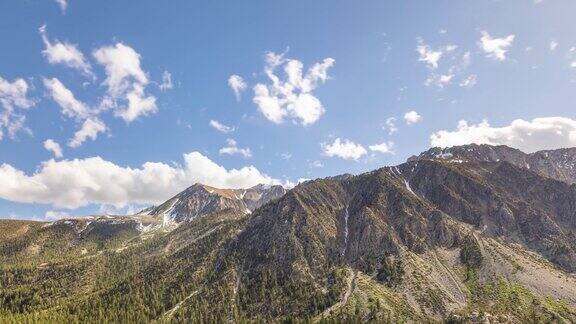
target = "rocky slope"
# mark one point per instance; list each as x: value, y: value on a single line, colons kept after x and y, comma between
x: 434, y: 239
x: 200, y: 200
x: 557, y: 164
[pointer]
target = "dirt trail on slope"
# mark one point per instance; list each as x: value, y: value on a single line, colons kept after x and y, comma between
x: 350, y: 287
x: 170, y: 312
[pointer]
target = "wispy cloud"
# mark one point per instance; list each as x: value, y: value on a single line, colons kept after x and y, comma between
x: 233, y: 149
x: 237, y: 85
x: 14, y: 101
x: 221, y: 127
x: 64, y: 53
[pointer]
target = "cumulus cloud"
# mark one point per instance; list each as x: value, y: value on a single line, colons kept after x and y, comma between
x: 412, y: 117
x: 89, y: 130
x: 13, y: 100
x: 385, y: 147
x: 64, y: 53
x: 233, y: 149
x: 166, y: 81
x: 528, y: 136
x: 495, y: 48
x: 71, y: 107
x: 126, y: 82
x: 80, y: 182
x: 344, y: 149
x: 292, y: 97
x: 221, y: 127
x: 53, y: 147
x: 237, y: 85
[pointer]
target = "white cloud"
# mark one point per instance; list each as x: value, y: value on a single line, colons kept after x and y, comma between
x: 237, y: 84
x: 89, y: 130
x: 138, y: 104
x: 53, y: 147
x: 122, y: 65
x: 455, y: 62
x: 469, y: 82
x: 428, y: 55
x: 65, y: 53
x: 63, y: 4
x: 126, y: 82
x: 345, y: 149
x: 166, y: 81
x: 390, y: 125
x: 553, y: 45
x: 233, y: 149
x: 412, y: 117
x: 80, y: 182
x: 528, y: 136
x: 54, y: 215
x: 439, y: 80
x: 495, y: 48
x: 71, y: 107
x: 316, y: 164
x: 385, y: 147
x: 221, y: 127
x: 292, y: 98
x: 129, y: 209
x: 13, y: 98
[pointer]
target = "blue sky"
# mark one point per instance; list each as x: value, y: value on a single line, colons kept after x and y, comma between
x: 127, y: 92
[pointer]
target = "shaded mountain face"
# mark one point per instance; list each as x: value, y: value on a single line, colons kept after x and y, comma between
x: 434, y: 239
x: 557, y: 164
x: 199, y: 200
x: 378, y: 222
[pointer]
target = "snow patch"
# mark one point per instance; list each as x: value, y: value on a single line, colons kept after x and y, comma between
x: 444, y: 155
x: 409, y: 188
x: 346, y: 216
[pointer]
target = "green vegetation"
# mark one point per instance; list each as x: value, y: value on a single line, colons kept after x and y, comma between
x: 391, y: 272
x: 512, y: 301
x: 397, y: 259
x: 470, y: 253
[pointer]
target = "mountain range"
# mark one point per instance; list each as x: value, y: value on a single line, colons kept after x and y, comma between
x: 473, y: 233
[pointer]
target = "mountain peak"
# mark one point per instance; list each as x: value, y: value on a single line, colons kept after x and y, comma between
x: 559, y: 164
x: 200, y: 199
